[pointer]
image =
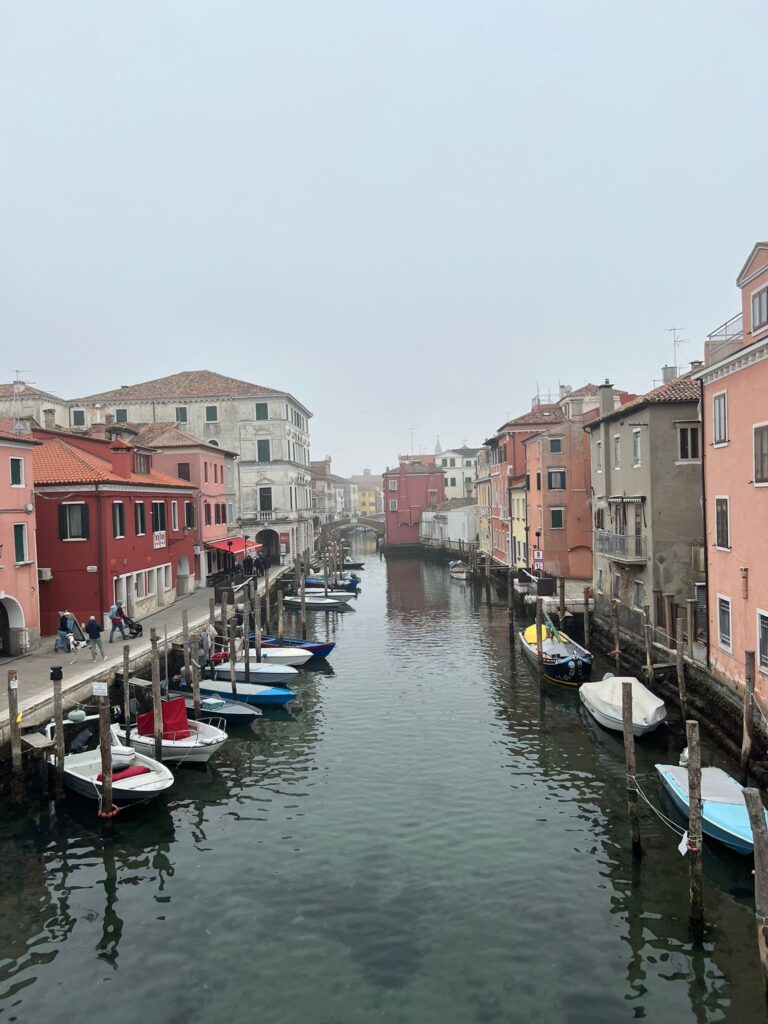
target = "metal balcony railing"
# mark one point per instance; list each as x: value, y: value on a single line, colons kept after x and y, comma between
x: 621, y: 546
x: 729, y: 331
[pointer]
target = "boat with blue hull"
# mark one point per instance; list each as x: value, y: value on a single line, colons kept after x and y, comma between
x: 319, y: 648
x: 318, y: 583
x: 248, y: 693
x: 724, y: 815
x: 562, y: 659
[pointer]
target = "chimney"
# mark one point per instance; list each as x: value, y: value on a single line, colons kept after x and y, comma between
x: 696, y: 364
x: 49, y: 419
x: 606, y: 398
x: 122, y: 458
x: 668, y: 373
x: 565, y: 390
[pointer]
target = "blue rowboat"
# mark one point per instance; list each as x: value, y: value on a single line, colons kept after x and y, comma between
x: 317, y: 647
x: 724, y: 815
x: 317, y: 583
x: 247, y: 693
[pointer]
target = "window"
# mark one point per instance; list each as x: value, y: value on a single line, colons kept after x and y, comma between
x: 393, y: 505
x: 181, y: 414
x: 556, y: 479
x: 217, y: 513
x: 73, y: 521
x: 262, y: 411
x: 616, y: 451
x: 538, y: 480
x: 452, y: 463
x: 78, y: 417
x: 724, y: 622
x: 722, y: 526
x: 262, y: 451
x: 207, y: 513
x: 265, y: 499
x: 17, y: 472
x: 600, y: 580
x: 599, y: 456
x: 168, y: 577
x: 141, y: 463
x: 720, y: 418
x: 617, y: 586
x: 555, y: 445
x: 183, y: 471
x: 205, y: 472
x: 140, y: 518
x: 639, y: 594
x: 393, y: 485
x: 121, y: 415
x: 444, y: 463
x: 452, y: 482
x: 557, y: 518
x: 636, y: 461
x: 760, y: 308
x: 214, y: 442
x: 468, y: 463
x: 189, y: 514
x: 158, y: 516
x: 688, y: 444
x: 174, y: 515
x: 151, y: 581
x: 761, y: 454
x: 211, y: 414
x: 140, y: 584
x: 762, y: 640
x: 599, y: 518
x: 20, y: 543
x: 118, y: 519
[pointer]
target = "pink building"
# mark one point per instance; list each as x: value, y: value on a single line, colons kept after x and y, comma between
x: 409, y: 489
x: 19, y: 598
x: 735, y: 443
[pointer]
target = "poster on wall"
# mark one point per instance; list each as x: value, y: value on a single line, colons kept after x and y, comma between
x: 285, y: 543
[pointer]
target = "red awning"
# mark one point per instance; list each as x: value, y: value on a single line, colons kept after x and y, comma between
x: 236, y: 545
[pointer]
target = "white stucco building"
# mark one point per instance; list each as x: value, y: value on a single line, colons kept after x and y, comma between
x: 460, y: 467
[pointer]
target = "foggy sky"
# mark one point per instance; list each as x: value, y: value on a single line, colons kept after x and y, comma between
x: 406, y: 214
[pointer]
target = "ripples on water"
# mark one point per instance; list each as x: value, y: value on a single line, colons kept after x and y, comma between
x: 431, y: 837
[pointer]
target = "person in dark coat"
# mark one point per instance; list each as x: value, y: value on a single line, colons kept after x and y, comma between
x: 93, y: 631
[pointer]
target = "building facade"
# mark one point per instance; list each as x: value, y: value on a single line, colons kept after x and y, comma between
x: 647, y: 515
x: 735, y: 441
x: 483, y: 498
x: 19, y: 596
x: 453, y: 525
x: 410, y: 488
x: 460, y: 467
x: 370, y: 493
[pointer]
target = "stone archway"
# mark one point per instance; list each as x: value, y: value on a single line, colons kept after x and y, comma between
x: 182, y: 577
x: 270, y: 545
x: 12, y: 631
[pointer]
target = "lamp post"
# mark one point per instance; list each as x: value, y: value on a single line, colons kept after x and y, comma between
x: 231, y: 557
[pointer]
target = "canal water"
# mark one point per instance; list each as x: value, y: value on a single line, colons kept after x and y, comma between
x: 431, y: 837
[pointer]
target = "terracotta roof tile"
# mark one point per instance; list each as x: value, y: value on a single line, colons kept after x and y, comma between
x: 9, y: 433
x: 187, y: 384
x: 57, y: 462
x: 12, y: 391
x: 537, y: 418
x: 681, y: 389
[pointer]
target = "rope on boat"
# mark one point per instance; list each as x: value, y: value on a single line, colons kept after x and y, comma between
x: 659, y: 814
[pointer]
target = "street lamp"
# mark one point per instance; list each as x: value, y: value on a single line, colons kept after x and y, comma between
x: 231, y: 557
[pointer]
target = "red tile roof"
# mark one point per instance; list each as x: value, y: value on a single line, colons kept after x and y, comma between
x: 13, y: 390
x: 187, y: 384
x: 681, y: 389
x: 541, y: 417
x: 56, y: 462
x: 170, y: 435
x: 8, y: 433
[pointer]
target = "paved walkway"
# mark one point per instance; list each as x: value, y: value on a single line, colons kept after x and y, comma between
x: 36, y: 690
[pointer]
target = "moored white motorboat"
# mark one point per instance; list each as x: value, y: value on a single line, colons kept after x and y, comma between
x: 135, y: 777
x: 260, y: 672
x: 319, y: 601
x: 293, y: 656
x: 603, y: 700
x: 214, y: 707
x: 248, y: 693
x: 184, y: 739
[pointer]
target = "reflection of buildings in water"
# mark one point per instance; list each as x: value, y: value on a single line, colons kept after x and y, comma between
x: 417, y: 585
x: 26, y: 905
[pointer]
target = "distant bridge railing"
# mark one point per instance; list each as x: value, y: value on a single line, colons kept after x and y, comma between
x: 375, y: 523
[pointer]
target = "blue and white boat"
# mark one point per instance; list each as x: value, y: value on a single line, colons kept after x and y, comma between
x: 247, y: 693
x: 724, y: 815
x: 318, y: 648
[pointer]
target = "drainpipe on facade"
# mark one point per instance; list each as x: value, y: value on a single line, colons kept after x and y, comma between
x: 100, y: 552
x: 702, y: 419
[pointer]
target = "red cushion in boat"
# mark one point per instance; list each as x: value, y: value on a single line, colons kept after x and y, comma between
x: 126, y: 773
x: 175, y: 722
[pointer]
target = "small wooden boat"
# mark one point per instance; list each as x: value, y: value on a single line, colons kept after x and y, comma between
x: 349, y: 563
x: 183, y: 740
x: 135, y: 776
x: 318, y: 583
x: 603, y: 700
x: 215, y: 707
x: 458, y: 570
x: 317, y: 648
x: 293, y: 656
x: 248, y: 693
x: 260, y: 672
x: 563, y: 660
x: 318, y: 601
x: 724, y: 814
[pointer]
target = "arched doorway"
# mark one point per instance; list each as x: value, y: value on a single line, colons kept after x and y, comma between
x: 182, y: 577
x: 12, y: 639
x: 270, y: 545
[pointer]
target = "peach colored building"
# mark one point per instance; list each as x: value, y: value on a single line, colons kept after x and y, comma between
x: 735, y: 443
x: 19, y: 597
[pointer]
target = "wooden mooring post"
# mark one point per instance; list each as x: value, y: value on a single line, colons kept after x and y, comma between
x: 631, y: 767
x: 488, y: 578
x: 267, y: 606
x: 747, y: 715
x: 224, y: 619
x: 690, y: 608
x: 157, y: 710
x: 760, y: 839
x: 586, y: 616
x: 303, y: 594
x: 233, y: 664
x: 616, y: 635
x: 105, y: 747
x: 695, y: 863
x: 127, y: 692
x: 247, y: 637
x: 280, y: 617
x: 511, y: 604
x: 196, y: 689
x: 58, y: 736
x: 680, y: 664
x: 13, y: 717
x: 539, y: 630
x: 648, y: 643
x: 561, y: 607
x: 211, y: 611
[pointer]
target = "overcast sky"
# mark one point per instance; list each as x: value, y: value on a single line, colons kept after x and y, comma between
x: 406, y: 214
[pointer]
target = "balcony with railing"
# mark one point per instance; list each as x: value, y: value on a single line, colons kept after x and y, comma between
x: 621, y: 547
x: 726, y: 338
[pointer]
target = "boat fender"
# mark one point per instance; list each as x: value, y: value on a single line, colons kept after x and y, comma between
x: 571, y: 666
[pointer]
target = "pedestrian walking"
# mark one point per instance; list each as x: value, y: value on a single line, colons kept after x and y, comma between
x: 117, y: 618
x: 93, y: 631
x: 62, y: 633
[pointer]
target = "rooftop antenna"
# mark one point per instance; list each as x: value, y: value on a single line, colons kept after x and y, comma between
x: 676, y: 343
x: 413, y: 428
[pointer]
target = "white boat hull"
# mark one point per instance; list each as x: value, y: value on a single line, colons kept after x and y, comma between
x: 603, y: 702
x: 291, y: 656
x: 198, y: 748
x: 261, y: 673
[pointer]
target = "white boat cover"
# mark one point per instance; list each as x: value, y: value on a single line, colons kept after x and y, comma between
x: 716, y: 784
x: 606, y: 696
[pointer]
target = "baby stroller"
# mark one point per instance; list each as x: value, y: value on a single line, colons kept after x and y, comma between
x: 134, y: 628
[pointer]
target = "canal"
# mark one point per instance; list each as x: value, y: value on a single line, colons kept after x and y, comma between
x: 431, y: 838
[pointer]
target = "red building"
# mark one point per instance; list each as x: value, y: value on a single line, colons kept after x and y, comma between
x: 110, y: 528
x: 409, y: 489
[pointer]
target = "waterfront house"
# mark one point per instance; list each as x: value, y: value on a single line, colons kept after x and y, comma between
x: 460, y: 466
x: 370, y: 494
x: 111, y: 528
x: 410, y: 488
x: 647, y: 516
x: 483, y: 498
x: 451, y: 525
x: 333, y: 496
x: 19, y: 600
x: 735, y: 445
